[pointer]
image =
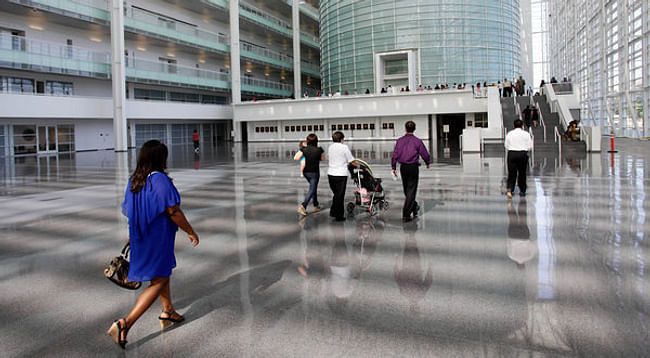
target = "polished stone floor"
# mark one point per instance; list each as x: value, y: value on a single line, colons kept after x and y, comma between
x: 562, y: 272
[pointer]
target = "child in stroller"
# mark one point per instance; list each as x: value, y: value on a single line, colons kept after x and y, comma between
x: 369, y: 194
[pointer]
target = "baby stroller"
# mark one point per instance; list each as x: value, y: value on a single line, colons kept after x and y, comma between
x: 369, y: 194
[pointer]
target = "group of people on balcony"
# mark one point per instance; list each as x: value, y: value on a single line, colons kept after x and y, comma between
x: 516, y: 88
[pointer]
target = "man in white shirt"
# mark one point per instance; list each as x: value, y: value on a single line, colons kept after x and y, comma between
x: 339, y: 157
x: 518, y: 143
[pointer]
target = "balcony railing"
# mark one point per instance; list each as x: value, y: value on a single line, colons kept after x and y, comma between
x: 264, y: 53
x: 90, y: 10
x: 171, y: 74
x: 163, y: 27
x: 253, y: 85
x: 262, y: 17
x: 27, y: 54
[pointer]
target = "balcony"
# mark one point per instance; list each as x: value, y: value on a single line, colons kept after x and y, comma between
x: 143, y: 22
x: 263, y: 55
x: 87, y: 10
x: 14, y: 105
x: 173, y: 75
x: 25, y: 54
x: 265, y: 87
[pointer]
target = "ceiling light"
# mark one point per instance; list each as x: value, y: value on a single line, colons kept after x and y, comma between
x: 141, y: 48
x: 95, y: 39
x: 36, y: 27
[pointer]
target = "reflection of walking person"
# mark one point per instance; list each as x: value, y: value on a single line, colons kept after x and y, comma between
x: 152, y: 205
x: 339, y: 157
x: 408, y: 151
x: 517, y: 143
x: 195, y: 140
x: 519, y: 246
x: 412, y: 279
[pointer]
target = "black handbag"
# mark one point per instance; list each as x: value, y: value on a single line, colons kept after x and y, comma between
x: 118, y: 270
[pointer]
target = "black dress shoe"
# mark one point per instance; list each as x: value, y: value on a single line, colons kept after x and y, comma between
x: 339, y: 219
x: 407, y: 219
x: 522, y: 194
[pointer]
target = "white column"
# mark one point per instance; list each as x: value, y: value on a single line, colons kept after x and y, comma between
x: 235, y: 71
x: 117, y: 75
x: 412, y: 67
x: 646, y: 65
x: 295, y: 25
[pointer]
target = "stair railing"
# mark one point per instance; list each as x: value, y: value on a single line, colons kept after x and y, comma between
x: 541, y: 118
x: 558, y: 140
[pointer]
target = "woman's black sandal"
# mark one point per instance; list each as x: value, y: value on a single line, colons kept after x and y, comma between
x: 168, y: 321
x: 116, y: 331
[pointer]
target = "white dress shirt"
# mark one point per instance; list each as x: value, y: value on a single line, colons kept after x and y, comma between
x: 518, y: 140
x: 339, y: 156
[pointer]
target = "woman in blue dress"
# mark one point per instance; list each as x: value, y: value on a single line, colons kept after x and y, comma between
x: 152, y: 205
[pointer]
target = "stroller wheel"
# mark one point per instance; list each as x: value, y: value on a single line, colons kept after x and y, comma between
x: 372, y: 210
x: 385, y: 205
x: 350, y: 208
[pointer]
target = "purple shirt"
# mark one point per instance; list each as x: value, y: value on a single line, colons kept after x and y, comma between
x: 408, y: 150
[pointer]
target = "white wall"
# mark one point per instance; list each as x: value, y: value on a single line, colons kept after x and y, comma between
x: 421, y: 122
x: 413, y: 103
x: 93, y: 134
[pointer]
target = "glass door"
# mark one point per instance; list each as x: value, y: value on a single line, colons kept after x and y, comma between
x: 46, y: 139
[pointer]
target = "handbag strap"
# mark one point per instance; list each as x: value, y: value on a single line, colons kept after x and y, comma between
x: 125, y: 250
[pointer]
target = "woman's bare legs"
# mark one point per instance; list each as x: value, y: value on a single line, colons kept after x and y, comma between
x: 146, y: 299
x: 167, y: 305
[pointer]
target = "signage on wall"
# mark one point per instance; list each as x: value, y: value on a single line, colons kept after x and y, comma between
x: 445, y: 128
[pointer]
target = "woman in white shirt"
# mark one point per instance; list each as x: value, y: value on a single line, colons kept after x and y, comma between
x: 339, y: 157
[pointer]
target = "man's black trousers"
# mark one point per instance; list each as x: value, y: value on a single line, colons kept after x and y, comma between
x: 410, y: 176
x: 517, y: 163
x: 337, y: 184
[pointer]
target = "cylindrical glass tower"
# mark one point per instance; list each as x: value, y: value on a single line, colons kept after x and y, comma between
x: 369, y: 43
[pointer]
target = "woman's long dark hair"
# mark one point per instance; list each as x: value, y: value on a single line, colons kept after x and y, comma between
x: 152, y: 158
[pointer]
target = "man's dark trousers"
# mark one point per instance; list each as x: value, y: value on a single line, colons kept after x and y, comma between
x: 517, y: 163
x: 337, y: 184
x: 410, y: 175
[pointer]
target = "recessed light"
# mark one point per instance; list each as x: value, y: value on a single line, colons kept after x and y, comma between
x: 36, y: 27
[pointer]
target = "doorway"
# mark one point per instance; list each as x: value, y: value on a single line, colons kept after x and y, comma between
x: 46, y: 139
x: 449, y: 128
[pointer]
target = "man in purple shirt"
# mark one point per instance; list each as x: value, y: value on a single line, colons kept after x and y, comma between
x: 408, y: 151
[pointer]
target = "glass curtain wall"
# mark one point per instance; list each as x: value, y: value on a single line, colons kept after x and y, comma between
x: 457, y: 41
x: 539, y: 20
x: 604, y: 47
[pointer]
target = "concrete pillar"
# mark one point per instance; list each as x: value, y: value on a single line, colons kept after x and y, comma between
x: 295, y: 25
x: 117, y: 75
x: 412, y: 68
x: 235, y: 71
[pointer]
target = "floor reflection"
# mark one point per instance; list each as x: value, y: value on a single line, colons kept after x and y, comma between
x: 560, y: 272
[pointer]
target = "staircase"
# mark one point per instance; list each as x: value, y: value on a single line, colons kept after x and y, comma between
x: 551, y: 120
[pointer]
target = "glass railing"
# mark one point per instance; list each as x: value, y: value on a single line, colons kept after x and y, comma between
x: 89, y: 9
x: 310, y: 68
x: 160, y: 26
x: 265, y: 86
x: 310, y: 39
x: 306, y: 9
x: 563, y: 88
x: 165, y: 73
x: 262, y: 52
x: 275, y: 23
x: 19, y: 52
x: 309, y: 10
x: 266, y: 18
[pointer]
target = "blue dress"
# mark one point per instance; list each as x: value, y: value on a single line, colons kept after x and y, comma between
x: 151, y: 231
